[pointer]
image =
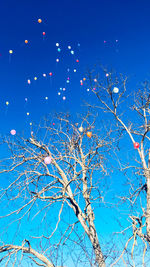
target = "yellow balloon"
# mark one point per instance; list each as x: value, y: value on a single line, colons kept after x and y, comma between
x: 39, y: 20
x: 10, y: 51
x: 28, y: 113
x: 35, y: 78
x: 7, y: 103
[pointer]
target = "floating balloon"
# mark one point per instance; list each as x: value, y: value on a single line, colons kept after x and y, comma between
x: 28, y: 113
x: 44, y: 74
x: 75, y: 70
x: 57, y: 59
x: 107, y: 74
x: 35, y: 78
x: 13, y: 132
x: 44, y: 33
x: 59, y: 49
x: 10, y: 51
x: 29, y: 82
x: 39, y: 21
x: 46, y: 98
x: 69, y: 47
x: 77, y: 60
x: 64, y: 98
x: 89, y: 134
x: 81, y: 129
x: 7, y: 103
x: 57, y: 44
x: 26, y: 41
x: 72, y: 52
x: 47, y: 160
x: 84, y: 79
x: 50, y: 74
x: 136, y: 145
x: 116, y: 90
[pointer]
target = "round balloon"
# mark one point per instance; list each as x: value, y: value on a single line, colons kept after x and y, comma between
x: 47, y: 160
x: 81, y: 129
x: 89, y: 134
x: 39, y: 21
x: 136, y: 145
x: 13, y: 132
x: 116, y: 90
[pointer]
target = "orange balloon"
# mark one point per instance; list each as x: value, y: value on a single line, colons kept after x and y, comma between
x: 26, y: 41
x: 89, y: 134
x: 39, y: 20
x: 84, y: 79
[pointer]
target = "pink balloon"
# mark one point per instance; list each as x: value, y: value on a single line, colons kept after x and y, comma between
x: 13, y: 132
x: 47, y: 160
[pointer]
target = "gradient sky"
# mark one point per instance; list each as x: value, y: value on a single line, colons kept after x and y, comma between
x: 88, y: 23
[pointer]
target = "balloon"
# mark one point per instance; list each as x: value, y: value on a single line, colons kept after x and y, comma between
x: 107, y: 74
x: 47, y: 160
x: 116, y: 90
x: 29, y: 82
x: 136, y: 145
x: 84, y: 79
x: 35, y: 78
x: 39, y: 21
x: 81, y: 129
x: 10, y: 51
x: 77, y: 60
x: 13, y: 132
x: 50, y: 74
x: 64, y: 98
x: 28, y: 113
x: 72, y: 52
x: 89, y: 134
x: 46, y: 97
x: 57, y: 44
x: 7, y: 103
x: 26, y: 99
x: 74, y: 70
x: 26, y: 41
x: 44, y: 33
x: 69, y: 47
x: 58, y: 49
x: 44, y: 74
x: 57, y: 60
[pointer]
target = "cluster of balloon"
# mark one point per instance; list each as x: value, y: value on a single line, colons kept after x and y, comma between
x: 116, y: 90
x: 47, y: 160
x: 89, y: 134
x: 136, y: 145
x: 13, y: 132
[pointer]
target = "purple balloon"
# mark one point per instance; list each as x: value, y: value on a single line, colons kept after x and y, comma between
x: 47, y: 160
x: 13, y: 132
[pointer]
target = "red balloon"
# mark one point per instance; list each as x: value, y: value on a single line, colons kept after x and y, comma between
x: 50, y: 74
x: 136, y: 145
x: 44, y: 33
x: 77, y: 60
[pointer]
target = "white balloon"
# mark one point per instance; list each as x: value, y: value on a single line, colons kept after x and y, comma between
x: 116, y: 90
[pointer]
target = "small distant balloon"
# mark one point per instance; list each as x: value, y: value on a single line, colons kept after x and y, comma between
x: 13, y: 132
x: 44, y: 33
x: 50, y: 74
x: 7, y: 103
x: 105, y: 41
x: 29, y: 82
x: 64, y: 98
x: 69, y: 47
x: 26, y: 41
x: 57, y: 59
x: 81, y: 129
x: 77, y: 60
x: 44, y: 74
x: 57, y: 44
x: 89, y: 134
x: 84, y: 79
x: 10, y: 51
x: 26, y: 99
x: 28, y: 113
x: 59, y: 49
x: 59, y: 93
x: 74, y: 70
x: 72, y: 52
x: 46, y: 98
x: 35, y: 78
x: 136, y: 145
x: 47, y: 160
x: 39, y: 21
x: 116, y: 90
x: 107, y: 74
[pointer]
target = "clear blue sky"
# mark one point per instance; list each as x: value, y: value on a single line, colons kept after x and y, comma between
x: 88, y: 23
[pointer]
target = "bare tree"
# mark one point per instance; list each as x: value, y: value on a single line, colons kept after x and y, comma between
x: 56, y: 171
x: 131, y: 113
